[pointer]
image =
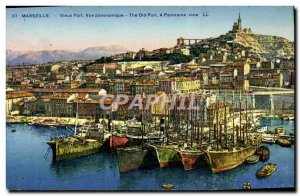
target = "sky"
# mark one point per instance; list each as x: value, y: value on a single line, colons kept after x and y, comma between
x: 133, y: 33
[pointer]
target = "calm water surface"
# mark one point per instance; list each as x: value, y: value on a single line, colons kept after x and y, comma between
x: 27, y: 169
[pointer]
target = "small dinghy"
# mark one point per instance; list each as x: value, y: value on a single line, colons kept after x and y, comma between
x: 263, y: 152
x: 284, y: 142
x: 13, y: 130
x: 247, y: 186
x: 252, y: 159
x: 266, y: 170
x: 167, y: 186
x: 279, y: 131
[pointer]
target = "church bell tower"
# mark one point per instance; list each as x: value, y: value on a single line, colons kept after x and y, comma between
x: 239, y: 23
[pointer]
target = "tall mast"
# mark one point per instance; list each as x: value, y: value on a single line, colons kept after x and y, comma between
x: 209, y: 119
x: 198, y: 112
x: 217, y: 121
x: 252, y: 108
x: 240, y: 108
x: 76, y: 120
x: 143, y: 113
x: 202, y: 120
x: 233, y: 126
x: 247, y: 116
x: 192, y: 126
x: 225, y: 119
x: 187, y: 125
x: 167, y: 133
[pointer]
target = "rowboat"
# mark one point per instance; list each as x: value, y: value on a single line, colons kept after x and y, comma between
x: 252, y: 159
x: 266, y: 170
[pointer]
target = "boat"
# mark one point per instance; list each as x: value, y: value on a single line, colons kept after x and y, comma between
x: 269, y: 139
x: 279, y: 131
x: 246, y: 186
x: 133, y: 158
x: 13, y: 130
x: 252, y: 159
x: 284, y: 142
x: 75, y: 146
x: 167, y: 155
x: 262, y: 129
x: 190, y: 158
x: 291, y: 117
x: 142, y: 155
x: 167, y: 186
x: 116, y: 141
x: 291, y: 138
x: 263, y: 152
x: 226, y: 159
x: 266, y: 170
x: 285, y: 118
x: 78, y: 145
x: 219, y: 156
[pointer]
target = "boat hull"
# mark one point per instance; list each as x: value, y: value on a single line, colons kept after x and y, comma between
x: 64, y: 151
x: 266, y: 170
x: 263, y: 152
x: 118, y: 142
x: 284, y: 142
x: 167, y: 156
x: 131, y: 159
x: 190, y: 159
x: 220, y: 161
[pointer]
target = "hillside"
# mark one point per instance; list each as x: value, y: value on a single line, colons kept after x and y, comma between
x: 267, y: 46
x: 272, y: 45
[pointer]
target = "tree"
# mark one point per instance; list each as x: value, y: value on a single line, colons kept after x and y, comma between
x: 111, y: 73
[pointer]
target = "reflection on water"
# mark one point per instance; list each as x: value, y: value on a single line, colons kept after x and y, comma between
x: 96, y: 162
x: 28, y: 170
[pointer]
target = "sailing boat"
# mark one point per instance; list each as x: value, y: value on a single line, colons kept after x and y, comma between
x: 75, y: 146
x: 223, y: 158
x: 191, y: 155
x: 136, y: 157
x: 166, y: 153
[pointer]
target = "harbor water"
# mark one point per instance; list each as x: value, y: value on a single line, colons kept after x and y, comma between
x: 27, y: 167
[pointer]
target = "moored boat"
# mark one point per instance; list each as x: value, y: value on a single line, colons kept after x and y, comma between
x: 133, y: 158
x: 73, y: 147
x: 269, y: 139
x: 224, y: 160
x: 284, y: 142
x: 167, y: 155
x: 190, y: 158
x: 266, y: 170
x: 252, y: 159
x: 118, y: 142
x: 262, y: 129
x: 279, y: 131
x: 263, y: 152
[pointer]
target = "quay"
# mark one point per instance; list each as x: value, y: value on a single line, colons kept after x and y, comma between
x: 67, y: 121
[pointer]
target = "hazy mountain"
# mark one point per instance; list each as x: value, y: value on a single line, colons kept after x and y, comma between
x: 39, y: 57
